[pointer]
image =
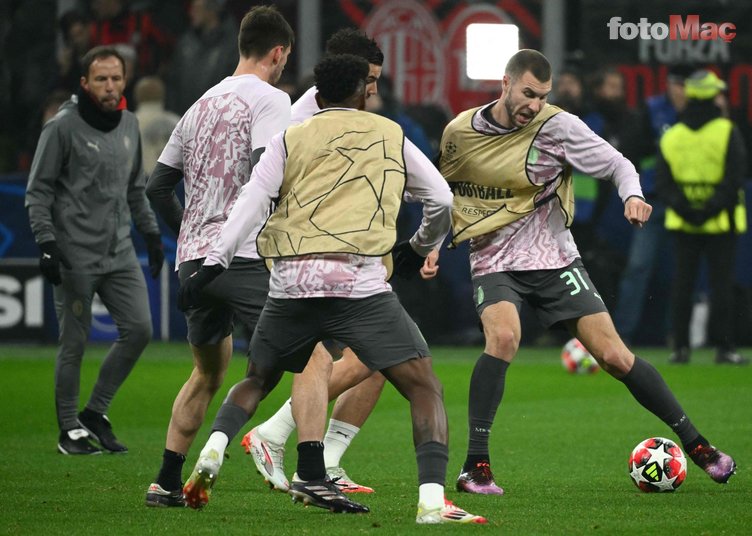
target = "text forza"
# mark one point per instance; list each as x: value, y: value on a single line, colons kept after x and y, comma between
x: 687, y: 29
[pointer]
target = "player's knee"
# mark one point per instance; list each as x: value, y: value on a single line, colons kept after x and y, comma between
x: 137, y: 334
x: 501, y: 342
x: 72, y: 349
x: 210, y: 380
x: 615, y: 359
x: 429, y: 387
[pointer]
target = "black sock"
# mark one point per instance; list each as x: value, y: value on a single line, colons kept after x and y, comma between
x: 486, y: 392
x: 649, y: 389
x: 230, y: 420
x: 692, y: 445
x: 311, y: 461
x: 170, y: 474
x: 433, y: 458
x: 87, y: 413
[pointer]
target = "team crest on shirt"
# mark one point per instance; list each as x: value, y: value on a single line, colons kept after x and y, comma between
x: 127, y: 142
x: 532, y: 155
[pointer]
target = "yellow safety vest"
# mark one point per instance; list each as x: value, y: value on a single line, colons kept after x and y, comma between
x: 488, y: 175
x: 342, y: 187
x: 697, y: 159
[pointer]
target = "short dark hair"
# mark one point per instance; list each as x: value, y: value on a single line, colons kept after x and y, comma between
x: 530, y: 60
x: 97, y: 53
x: 352, y: 41
x: 340, y: 76
x: 262, y: 29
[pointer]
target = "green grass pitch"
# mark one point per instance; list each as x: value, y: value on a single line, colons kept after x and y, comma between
x: 559, y: 447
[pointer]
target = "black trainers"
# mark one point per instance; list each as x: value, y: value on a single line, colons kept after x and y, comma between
x: 680, y: 356
x: 100, y: 428
x: 76, y: 442
x: 730, y: 358
x: 161, y: 498
x: 325, y: 494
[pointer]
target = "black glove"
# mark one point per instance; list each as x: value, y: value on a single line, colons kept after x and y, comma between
x: 407, y: 263
x: 155, y: 252
x: 189, y: 293
x: 49, y: 262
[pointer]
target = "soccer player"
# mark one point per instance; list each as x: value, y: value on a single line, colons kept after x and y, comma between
x: 213, y: 149
x: 508, y: 163
x: 86, y: 189
x: 266, y: 441
x: 339, y: 178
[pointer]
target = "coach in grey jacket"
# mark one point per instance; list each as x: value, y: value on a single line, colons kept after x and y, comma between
x: 85, y: 187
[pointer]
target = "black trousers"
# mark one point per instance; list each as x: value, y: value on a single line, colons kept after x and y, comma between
x: 719, y: 252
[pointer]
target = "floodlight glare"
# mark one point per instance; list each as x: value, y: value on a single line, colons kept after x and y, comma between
x: 489, y: 47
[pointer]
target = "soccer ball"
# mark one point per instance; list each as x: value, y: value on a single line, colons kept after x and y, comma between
x: 657, y: 464
x: 576, y: 359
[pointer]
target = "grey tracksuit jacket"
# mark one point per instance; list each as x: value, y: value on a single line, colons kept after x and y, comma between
x: 84, y: 187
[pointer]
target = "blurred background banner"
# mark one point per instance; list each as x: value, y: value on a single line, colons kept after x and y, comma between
x: 27, y: 310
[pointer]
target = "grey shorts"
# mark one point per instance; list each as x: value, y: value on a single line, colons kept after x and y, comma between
x: 376, y: 328
x: 555, y: 295
x: 237, y: 294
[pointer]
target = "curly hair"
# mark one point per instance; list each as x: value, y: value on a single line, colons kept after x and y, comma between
x: 340, y: 76
x: 353, y: 41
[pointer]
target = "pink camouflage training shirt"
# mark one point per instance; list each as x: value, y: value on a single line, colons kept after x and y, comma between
x: 212, y: 145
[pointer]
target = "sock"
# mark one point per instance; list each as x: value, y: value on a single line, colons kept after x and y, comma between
x: 651, y: 391
x: 217, y: 441
x: 692, y: 445
x: 311, y: 461
x: 432, y: 459
x: 486, y: 392
x: 91, y: 414
x: 337, y: 439
x: 280, y: 425
x: 229, y: 420
x: 170, y: 473
x: 431, y: 495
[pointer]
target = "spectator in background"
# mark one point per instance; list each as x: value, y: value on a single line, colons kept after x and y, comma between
x: 117, y: 22
x: 699, y: 174
x: 569, y: 91
x: 154, y: 122
x: 650, y: 243
x: 85, y: 188
x: 610, y: 119
x: 27, y: 70
x: 210, y: 42
x: 76, y: 39
x: 46, y: 111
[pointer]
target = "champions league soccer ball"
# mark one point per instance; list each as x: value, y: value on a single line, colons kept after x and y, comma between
x: 657, y: 464
x: 576, y: 359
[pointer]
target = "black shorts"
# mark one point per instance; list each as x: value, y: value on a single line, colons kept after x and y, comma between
x: 376, y: 328
x: 555, y: 295
x: 238, y: 293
